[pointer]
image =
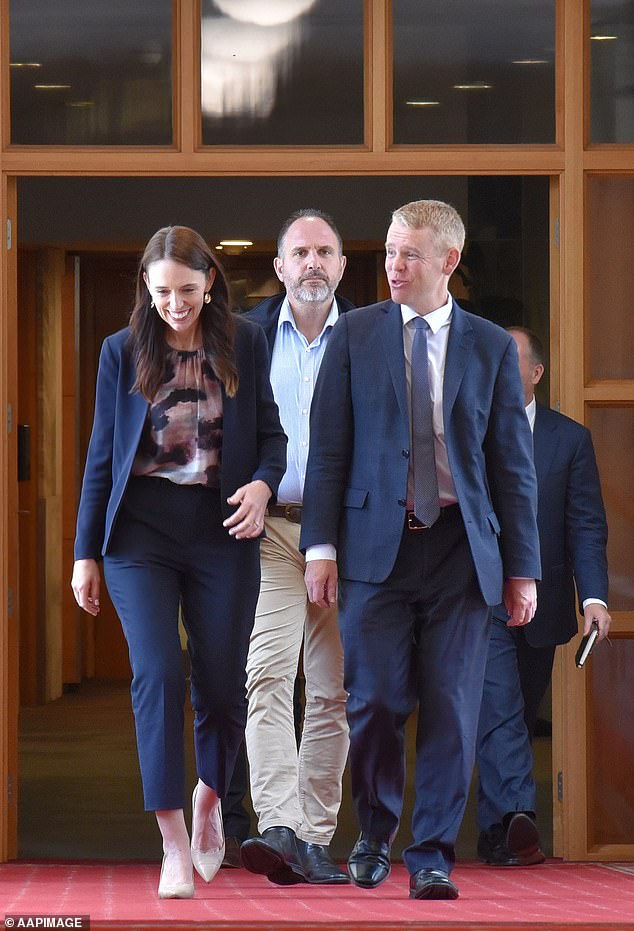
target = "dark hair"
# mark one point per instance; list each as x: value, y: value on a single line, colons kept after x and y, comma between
x: 307, y: 213
x: 535, y: 345
x: 147, y: 330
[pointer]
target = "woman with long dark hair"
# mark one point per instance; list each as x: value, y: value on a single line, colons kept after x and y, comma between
x: 185, y: 453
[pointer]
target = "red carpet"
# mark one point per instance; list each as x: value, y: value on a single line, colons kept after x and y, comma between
x: 555, y: 895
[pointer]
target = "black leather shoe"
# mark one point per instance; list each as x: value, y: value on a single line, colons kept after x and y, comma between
x: 514, y: 843
x: 522, y: 840
x: 369, y: 863
x: 318, y: 865
x: 232, y: 853
x: 275, y: 855
x: 431, y: 884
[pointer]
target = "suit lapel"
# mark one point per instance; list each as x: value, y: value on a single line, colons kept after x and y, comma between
x: 459, y: 347
x: 392, y: 339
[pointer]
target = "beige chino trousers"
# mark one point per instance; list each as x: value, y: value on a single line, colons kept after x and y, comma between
x: 299, y: 789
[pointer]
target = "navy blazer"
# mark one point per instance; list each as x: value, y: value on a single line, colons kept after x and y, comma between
x: 572, y: 527
x: 267, y: 313
x: 253, y: 442
x: 356, y: 482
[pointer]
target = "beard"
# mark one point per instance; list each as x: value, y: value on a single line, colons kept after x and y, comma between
x: 314, y: 293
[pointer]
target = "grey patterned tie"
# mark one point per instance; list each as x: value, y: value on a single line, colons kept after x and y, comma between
x: 426, y: 500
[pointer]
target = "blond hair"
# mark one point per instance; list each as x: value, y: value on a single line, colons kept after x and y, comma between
x: 442, y: 219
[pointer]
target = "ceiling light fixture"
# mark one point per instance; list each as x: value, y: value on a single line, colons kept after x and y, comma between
x: 530, y: 61
x: 52, y: 87
x: 600, y: 38
x: 25, y: 64
x: 474, y: 86
x: 235, y: 246
x: 422, y: 103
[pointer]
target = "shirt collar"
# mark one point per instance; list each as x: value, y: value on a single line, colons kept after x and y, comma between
x: 436, y: 319
x: 286, y: 316
x: 531, y: 410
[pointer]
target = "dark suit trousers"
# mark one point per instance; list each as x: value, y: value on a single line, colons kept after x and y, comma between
x: 169, y: 549
x: 516, y: 679
x: 421, y: 638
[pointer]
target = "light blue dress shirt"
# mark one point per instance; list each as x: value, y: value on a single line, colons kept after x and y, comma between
x: 295, y: 366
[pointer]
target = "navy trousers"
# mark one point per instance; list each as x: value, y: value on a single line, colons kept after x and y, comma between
x: 419, y: 638
x: 169, y: 550
x: 516, y: 679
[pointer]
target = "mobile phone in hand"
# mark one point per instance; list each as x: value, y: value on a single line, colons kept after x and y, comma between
x: 586, y: 645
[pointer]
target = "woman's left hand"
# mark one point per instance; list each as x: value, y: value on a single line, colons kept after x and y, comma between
x: 248, y: 520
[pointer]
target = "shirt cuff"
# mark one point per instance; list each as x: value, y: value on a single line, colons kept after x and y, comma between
x: 321, y: 551
x: 593, y: 601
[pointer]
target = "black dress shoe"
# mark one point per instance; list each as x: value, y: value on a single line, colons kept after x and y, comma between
x: 431, y: 884
x: 275, y: 855
x: 514, y: 843
x: 369, y: 862
x: 522, y: 840
x: 232, y: 853
x: 318, y: 866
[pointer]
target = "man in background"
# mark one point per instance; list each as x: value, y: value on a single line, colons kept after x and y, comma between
x: 573, y: 539
x: 296, y: 793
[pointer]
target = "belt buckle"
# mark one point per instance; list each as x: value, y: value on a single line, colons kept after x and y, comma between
x: 293, y: 513
x: 413, y: 523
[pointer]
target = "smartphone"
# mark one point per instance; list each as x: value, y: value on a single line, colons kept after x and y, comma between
x: 586, y: 645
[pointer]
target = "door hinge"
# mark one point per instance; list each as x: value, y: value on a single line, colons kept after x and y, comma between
x: 9, y: 417
x: 10, y: 602
x: 560, y: 786
x: 9, y: 236
x: 10, y: 789
x: 556, y: 232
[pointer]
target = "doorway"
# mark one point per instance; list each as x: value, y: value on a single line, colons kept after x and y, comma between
x: 80, y: 239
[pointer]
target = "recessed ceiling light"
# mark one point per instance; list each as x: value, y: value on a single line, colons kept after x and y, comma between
x: 473, y: 86
x: 530, y: 61
x: 603, y: 38
x: 422, y: 103
x: 80, y: 104
x: 51, y: 87
x: 25, y: 64
x: 236, y: 242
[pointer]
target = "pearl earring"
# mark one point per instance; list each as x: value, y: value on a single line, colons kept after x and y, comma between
x: 207, y: 297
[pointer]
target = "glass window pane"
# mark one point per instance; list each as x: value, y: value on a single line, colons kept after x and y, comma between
x: 468, y: 72
x: 282, y: 72
x: 613, y: 435
x: 611, y: 744
x: 91, y: 73
x: 612, y: 71
x: 610, y: 226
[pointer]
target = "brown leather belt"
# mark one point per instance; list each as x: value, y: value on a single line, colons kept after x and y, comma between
x: 290, y: 512
x: 413, y: 523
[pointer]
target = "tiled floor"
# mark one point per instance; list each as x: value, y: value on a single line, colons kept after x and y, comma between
x: 80, y: 792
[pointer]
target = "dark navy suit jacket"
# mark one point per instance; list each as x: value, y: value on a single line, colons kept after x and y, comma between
x: 267, y: 313
x: 356, y: 482
x: 572, y: 527
x: 253, y: 444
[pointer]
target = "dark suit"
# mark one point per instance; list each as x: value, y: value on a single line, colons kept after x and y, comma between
x: 414, y: 606
x: 573, y: 539
x: 164, y: 547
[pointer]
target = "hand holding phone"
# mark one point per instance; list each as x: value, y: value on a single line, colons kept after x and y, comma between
x: 586, y: 645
